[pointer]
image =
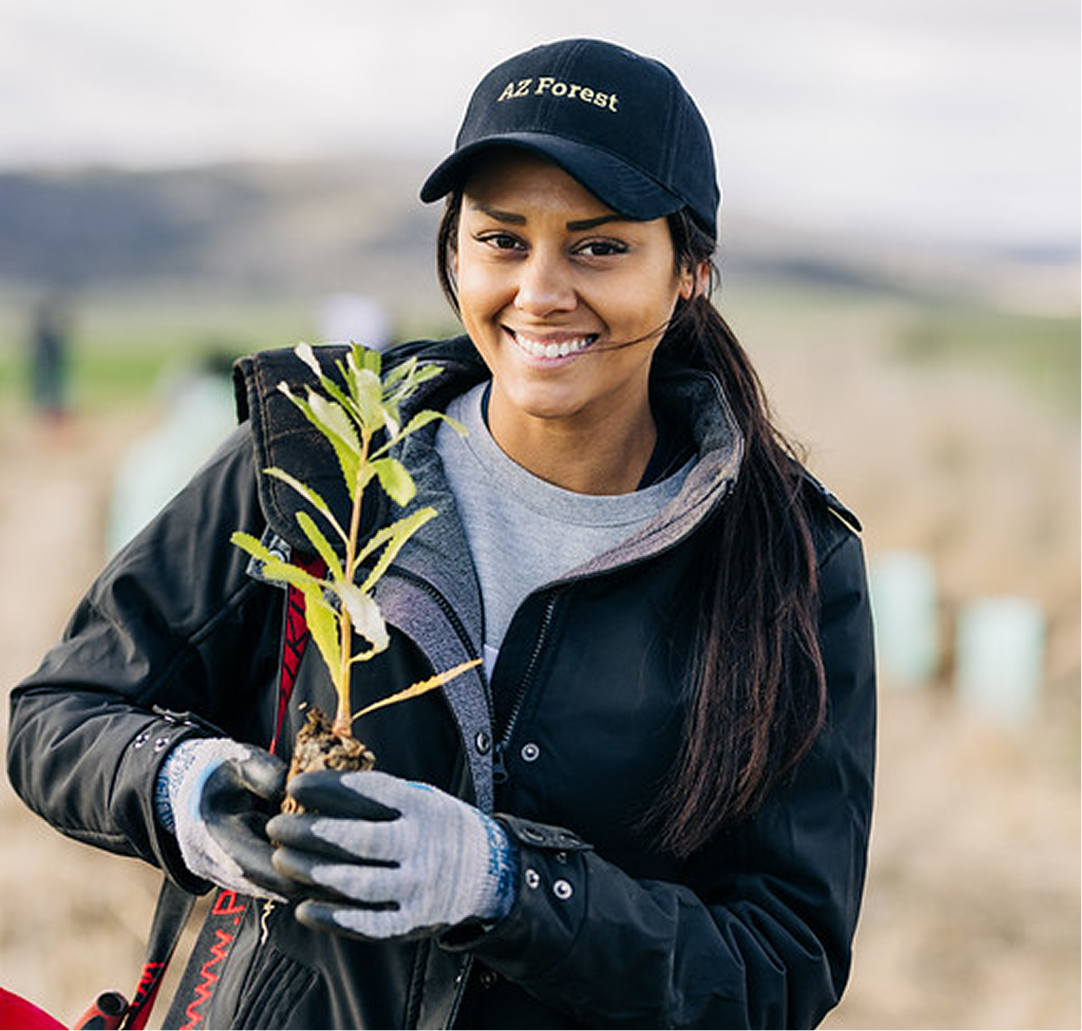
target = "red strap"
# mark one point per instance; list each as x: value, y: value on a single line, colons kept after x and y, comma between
x: 294, y: 641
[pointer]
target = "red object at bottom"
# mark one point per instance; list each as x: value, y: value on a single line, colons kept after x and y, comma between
x: 16, y: 1014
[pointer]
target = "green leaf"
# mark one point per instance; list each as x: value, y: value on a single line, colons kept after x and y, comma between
x: 402, y: 371
x: 392, y: 538
x: 329, y: 418
x: 395, y: 479
x: 334, y: 420
x: 361, y: 357
x: 386, y: 534
x: 286, y: 572
x: 274, y: 568
x: 453, y: 423
x: 426, y: 372
x: 419, y: 688
x: 404, y: 379
x: 339, y: 395
x: 323, y: 626
x: 308, y: 356
x: 365, y: 616
x: 255, y: 547
x: 420, y: 420
x: 392, y: 421
x: 321, y: 544
x: 367, y: 392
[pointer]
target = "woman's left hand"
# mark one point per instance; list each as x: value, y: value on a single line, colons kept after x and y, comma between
x: 390, y: 857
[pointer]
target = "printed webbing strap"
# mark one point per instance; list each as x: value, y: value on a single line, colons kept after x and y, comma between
x: 190, y: 1003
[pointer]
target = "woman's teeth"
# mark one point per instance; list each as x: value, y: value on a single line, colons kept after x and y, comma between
x: 540, y: 349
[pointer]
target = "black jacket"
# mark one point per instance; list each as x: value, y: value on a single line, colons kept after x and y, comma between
x: 179, y: 637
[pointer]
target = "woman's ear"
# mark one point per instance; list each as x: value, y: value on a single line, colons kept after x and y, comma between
x: 694, y: 280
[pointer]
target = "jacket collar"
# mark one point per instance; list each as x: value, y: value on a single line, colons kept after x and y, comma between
x: 283, y: 438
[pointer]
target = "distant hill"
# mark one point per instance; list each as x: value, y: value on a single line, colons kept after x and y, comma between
x: 358, y: 225
x: 236, y: 227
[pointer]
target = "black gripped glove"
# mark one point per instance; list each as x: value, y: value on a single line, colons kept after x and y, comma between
x: 220, y: 794
x: 389, y: 858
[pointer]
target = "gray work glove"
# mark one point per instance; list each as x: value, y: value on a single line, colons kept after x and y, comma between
x: 391, y: 858
x: 220, y: 795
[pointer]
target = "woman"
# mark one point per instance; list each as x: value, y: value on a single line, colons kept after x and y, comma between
x: 651, y: 806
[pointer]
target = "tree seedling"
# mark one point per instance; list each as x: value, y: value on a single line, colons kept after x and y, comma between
x: 360, y: 418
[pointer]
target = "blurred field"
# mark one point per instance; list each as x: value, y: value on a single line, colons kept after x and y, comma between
x: 949, y: 430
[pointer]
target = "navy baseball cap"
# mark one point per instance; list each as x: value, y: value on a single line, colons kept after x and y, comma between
x: 619, y: 123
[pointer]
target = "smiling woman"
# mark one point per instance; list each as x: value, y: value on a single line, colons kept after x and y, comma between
x: 650, y: 805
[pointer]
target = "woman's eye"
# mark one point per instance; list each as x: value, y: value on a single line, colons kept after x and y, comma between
x: 601, y: 248
x: 501, y: 241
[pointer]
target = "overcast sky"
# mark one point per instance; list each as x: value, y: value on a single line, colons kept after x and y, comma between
x: 942, y: 119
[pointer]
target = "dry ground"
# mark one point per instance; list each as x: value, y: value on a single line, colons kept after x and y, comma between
x: 972, y: 911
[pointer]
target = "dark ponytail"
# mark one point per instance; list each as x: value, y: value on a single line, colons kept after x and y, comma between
x: 759, y: 689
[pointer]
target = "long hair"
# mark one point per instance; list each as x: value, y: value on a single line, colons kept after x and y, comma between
x: 756, y: 687
x: 758, y: 694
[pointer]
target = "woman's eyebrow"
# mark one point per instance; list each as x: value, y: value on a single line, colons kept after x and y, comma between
x: 592, y: 223
x: 575, y: 226
x: 501, y: 216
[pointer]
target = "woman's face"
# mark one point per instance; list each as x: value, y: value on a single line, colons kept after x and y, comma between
x: 565, y: 300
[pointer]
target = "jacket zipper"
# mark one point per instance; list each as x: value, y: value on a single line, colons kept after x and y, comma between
x: 461, y: 981
x: 499, y: 767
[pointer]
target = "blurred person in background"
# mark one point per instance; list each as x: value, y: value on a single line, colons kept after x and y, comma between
x: 49, y: 359
x: 650, y: 806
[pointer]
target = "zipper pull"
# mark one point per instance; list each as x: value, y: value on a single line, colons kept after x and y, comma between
x: 499, y: 770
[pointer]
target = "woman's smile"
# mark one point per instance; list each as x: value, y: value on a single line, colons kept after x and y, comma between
x: 551, y: 348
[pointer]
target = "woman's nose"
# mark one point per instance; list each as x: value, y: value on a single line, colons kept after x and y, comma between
x: 544, y: 286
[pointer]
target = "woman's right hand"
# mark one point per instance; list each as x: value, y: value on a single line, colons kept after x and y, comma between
x: 221, y: 793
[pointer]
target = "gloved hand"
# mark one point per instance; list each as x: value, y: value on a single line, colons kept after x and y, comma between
x: 392, y: 857
x: 220, y: 795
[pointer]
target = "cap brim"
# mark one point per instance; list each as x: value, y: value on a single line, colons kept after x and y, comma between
x: 613, y: 181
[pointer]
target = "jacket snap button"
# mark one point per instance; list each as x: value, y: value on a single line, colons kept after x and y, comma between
x: 482, y: 742
x: 562, y: 889
x: 142, y: 739
x: 160, y: 743
x: 530, y: 752
x: 487, y: 978
x: 533, y: 878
